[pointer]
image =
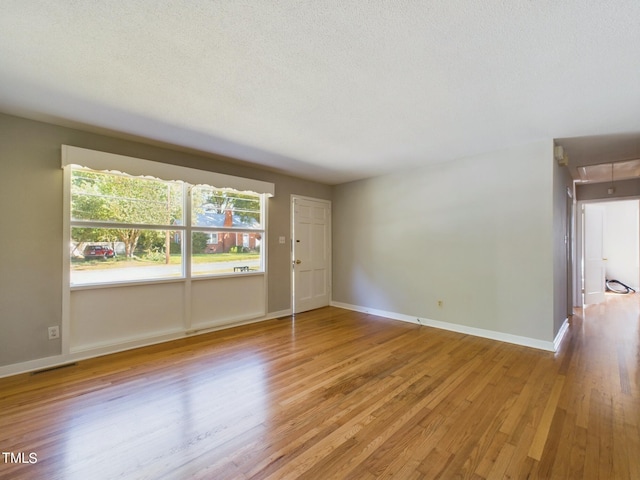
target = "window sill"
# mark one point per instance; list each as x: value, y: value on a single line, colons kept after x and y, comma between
x: 250, y: 273
x: 130, y: 283
x: 125, y: 283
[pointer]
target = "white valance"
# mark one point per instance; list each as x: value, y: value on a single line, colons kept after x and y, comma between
x: 137, y: 167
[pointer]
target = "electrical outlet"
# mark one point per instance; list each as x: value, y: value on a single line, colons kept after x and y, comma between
x: 54, y: 332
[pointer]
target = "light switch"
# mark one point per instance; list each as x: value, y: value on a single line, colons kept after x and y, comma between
x: 281, y: 240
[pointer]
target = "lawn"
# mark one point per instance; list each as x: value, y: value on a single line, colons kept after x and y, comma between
x: 176, y: 259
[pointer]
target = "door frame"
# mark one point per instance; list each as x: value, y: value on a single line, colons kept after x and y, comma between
x: 601, y: 267
x: 579, y: 243
x: 292, y: 199
x: 570, y: 247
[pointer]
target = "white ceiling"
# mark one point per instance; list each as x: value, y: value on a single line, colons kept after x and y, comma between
x: 332, y: 91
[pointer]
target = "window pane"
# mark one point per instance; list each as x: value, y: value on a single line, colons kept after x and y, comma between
x: 106, y: 197
x: 107, y: 255
x: 225, y: 252
x: 225, y: 208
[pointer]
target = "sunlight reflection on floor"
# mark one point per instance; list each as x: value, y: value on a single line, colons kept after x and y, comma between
x: 163, y: 418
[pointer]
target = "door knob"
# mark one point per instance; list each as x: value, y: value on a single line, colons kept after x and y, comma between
x: 298, y: 262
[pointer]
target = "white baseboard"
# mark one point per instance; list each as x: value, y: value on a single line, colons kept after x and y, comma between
x: 560, y: 335
x: 454, y: 327
x: 106, y: 349
x: 58, y: 360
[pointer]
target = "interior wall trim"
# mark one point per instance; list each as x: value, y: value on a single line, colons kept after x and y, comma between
x: 454, y: 327
x: 58, y: 360
x: 105, y: 161
x: 560, y: 335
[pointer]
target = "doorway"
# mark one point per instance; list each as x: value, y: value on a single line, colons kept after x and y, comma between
x: 310, y: 253
x: 610, y: 246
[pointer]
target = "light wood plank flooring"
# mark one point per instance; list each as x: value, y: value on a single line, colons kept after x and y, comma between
x: 338, y: 394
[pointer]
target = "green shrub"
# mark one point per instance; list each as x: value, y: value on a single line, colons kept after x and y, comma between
x: 199, y: 242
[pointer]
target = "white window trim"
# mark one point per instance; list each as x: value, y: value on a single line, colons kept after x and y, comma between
x: 98, y: 161
x: 131, y: 166
x: 103, y: 161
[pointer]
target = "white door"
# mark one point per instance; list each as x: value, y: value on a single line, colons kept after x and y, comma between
x: 311, y: 260
x: 594, y: 261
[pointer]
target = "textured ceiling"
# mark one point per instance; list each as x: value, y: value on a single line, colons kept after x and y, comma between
x: 333, y: 91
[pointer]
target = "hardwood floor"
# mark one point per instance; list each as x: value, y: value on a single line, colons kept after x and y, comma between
x: 338, y: 394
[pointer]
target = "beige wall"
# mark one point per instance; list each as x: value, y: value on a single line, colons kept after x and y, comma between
x: 475, y: 233
x: 31, y: 235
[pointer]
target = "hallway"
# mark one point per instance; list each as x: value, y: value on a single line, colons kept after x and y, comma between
x: 596, y: 426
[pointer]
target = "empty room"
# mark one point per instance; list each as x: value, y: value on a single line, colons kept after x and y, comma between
x: 319, y: 240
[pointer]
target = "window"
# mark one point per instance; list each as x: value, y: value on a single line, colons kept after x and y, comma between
x: 229, y: 217
x: 133, y: 228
